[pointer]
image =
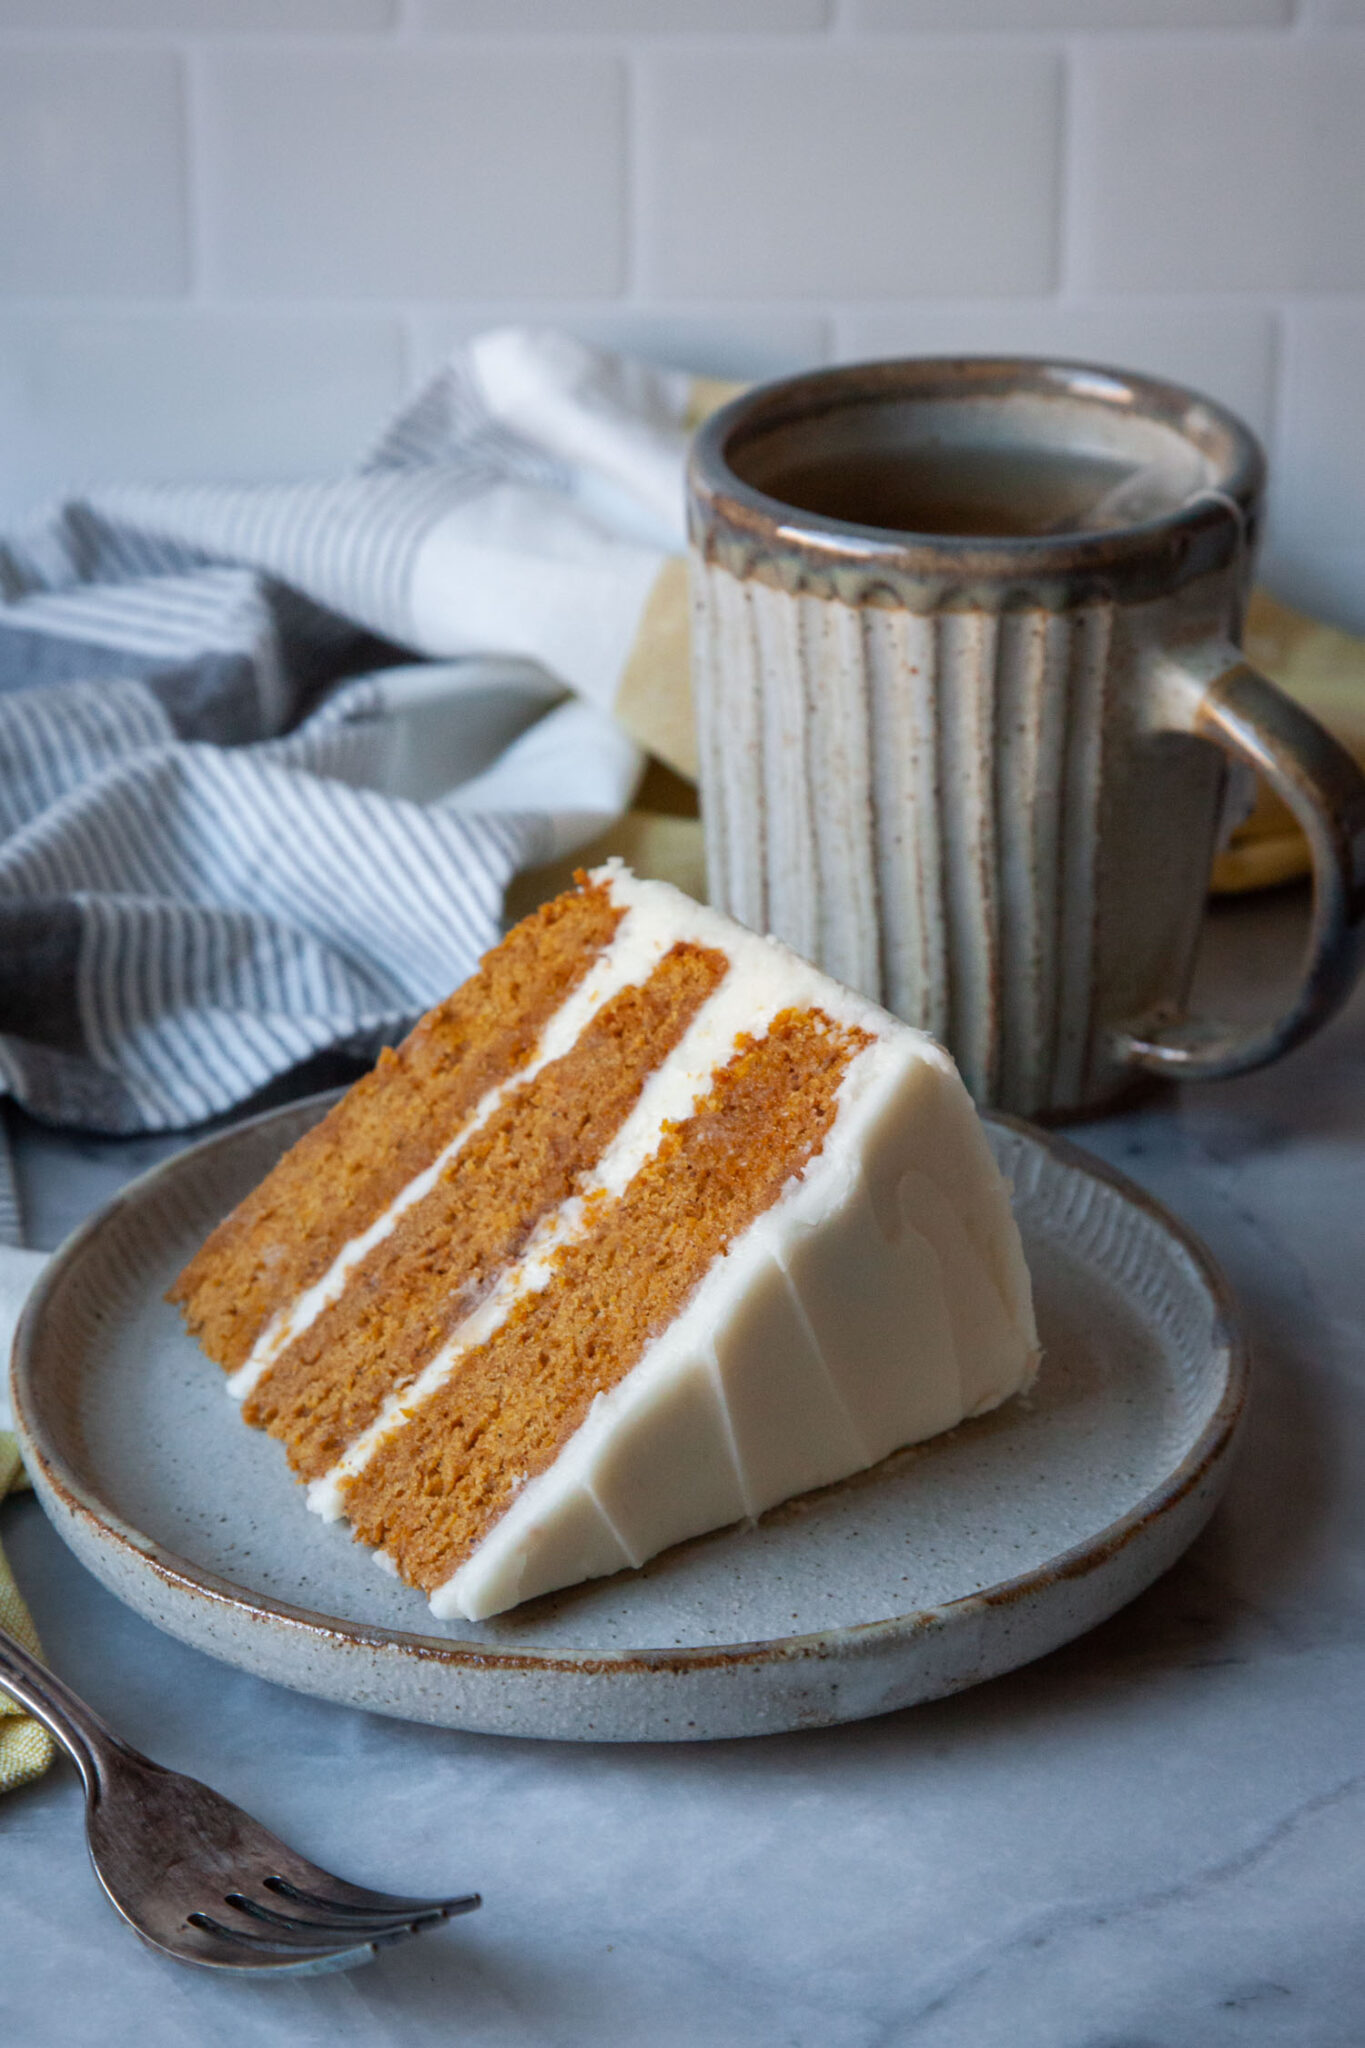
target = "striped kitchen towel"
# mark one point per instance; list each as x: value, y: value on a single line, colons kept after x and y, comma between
x: 239, y: 822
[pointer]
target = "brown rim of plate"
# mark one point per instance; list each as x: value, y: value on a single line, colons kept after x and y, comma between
x: 1208, y: 1449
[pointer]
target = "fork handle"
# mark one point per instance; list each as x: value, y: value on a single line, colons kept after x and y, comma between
x: 79, y: 1729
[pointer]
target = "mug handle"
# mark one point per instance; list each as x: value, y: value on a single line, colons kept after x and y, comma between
x: 1216, y: 695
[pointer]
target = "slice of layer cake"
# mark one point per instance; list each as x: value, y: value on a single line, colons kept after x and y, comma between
x: 648, y: 1227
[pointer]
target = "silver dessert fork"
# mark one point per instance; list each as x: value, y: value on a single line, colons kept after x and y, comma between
x: 191, y: 1873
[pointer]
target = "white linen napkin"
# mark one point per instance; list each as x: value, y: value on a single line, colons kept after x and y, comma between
x: 26, y: 1748
x: 18, y: 1271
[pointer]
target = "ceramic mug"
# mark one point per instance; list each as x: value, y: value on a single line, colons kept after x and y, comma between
x: 968, y: 685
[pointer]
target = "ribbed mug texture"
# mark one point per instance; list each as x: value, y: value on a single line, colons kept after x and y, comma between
x: 965, y: 810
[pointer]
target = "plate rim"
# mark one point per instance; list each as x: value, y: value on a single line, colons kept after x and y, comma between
x: 1078, y: 1560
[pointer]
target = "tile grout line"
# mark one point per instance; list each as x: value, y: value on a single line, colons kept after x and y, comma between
x: 193, y: 81
x: 634, y: 224
x: 1281, y: 364
x: 1065, y: 289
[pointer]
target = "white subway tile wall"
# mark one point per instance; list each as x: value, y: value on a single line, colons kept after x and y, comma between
x: 1322, y: 450
x: 417, y: 172
x: 214, y: 17
x: 184, y: 394
x: 869, y: 172
x: 233, y: 233
x: 1227, y: 164
x: 93, y: 173
x: 624, y: 17
x: 1082, y: 14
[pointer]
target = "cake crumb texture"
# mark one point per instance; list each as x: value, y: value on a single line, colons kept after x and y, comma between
x: 407, y: 1297
x: 389, y: 1127
x: 434, y: 1487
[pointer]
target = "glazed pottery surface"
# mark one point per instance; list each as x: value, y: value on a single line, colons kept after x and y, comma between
x: 946, y: 1564
x: 979, y: 773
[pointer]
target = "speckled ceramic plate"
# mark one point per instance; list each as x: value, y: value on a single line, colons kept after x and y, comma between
x: 948, y: 1563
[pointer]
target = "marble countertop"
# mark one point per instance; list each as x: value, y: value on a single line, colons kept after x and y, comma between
x: 1154, y: 1838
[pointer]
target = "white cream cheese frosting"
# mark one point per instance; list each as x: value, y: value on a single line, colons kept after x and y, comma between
x: 860, y: 1313
x: 881, y: 1299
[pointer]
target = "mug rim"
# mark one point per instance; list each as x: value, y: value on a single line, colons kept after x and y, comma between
x: 747, y: 530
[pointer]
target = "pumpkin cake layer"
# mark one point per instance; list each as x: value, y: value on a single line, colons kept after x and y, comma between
x: 420, y: 1282
x: 346, y: 1170
x: 432, y: 1491
x: 647, y: 1228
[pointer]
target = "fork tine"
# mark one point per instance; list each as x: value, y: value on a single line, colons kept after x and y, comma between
x: 221, y: 1947
x: 352, y: 1923
x: 329, y: 1894
x: 246, y: 1933
x: 159, y: 1839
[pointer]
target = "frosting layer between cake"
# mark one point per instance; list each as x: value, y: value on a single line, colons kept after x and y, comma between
x: 872, y: 1293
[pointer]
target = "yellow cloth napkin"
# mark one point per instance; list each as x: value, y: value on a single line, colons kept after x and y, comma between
x: 25, y: 1746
